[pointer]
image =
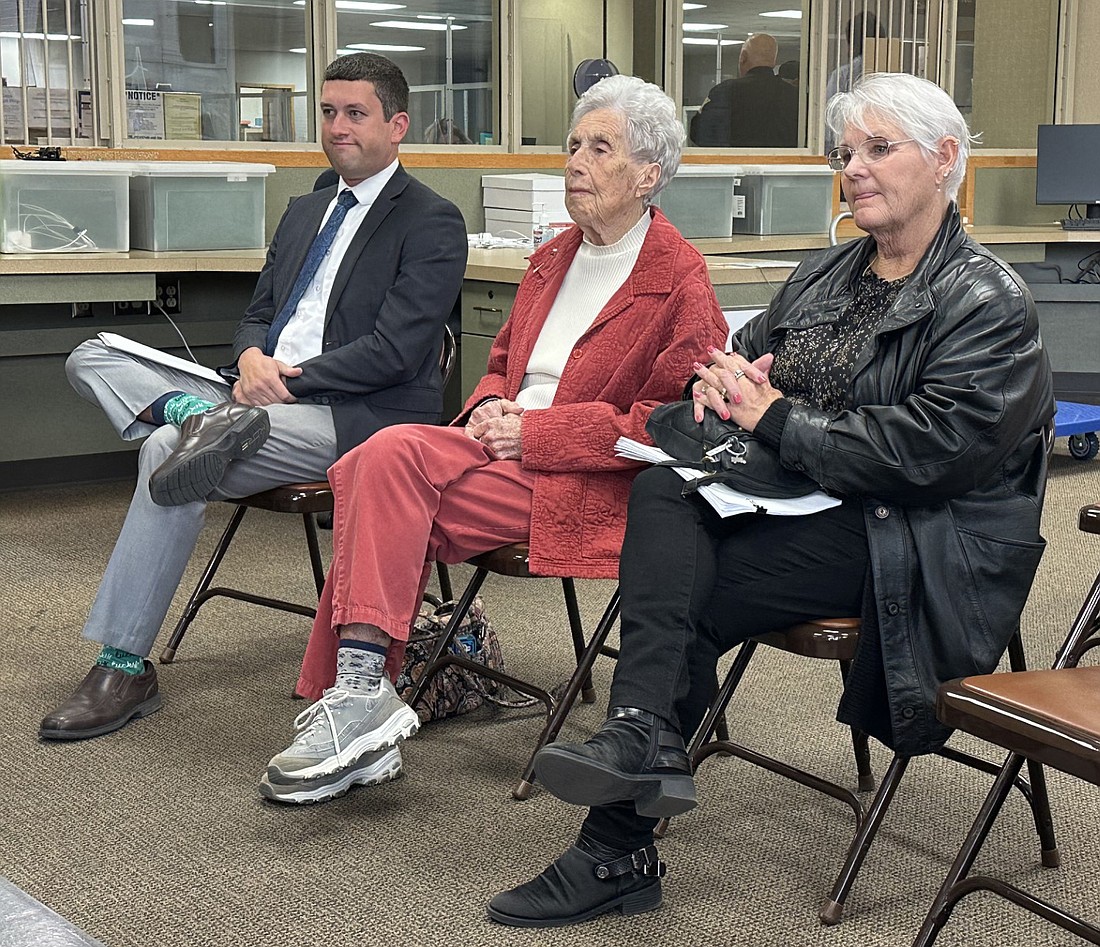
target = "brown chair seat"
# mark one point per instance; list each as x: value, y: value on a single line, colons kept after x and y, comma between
x: 830, y: 638
x: 1050, y: 716
x: 293, y: 498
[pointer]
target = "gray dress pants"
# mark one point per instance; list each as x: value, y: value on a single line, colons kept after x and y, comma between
x: 156, y: 542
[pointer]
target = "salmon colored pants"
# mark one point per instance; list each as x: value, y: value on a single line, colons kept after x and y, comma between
x: 411, y: 495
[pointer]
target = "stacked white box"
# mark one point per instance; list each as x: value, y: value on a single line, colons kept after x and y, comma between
x: 197, y: 205
x: 64, y: 206
x: 783, y: 198
x: 699, y: 199
x: 514, y: 203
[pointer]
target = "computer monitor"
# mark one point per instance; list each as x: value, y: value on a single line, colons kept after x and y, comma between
x: 1067, y: 167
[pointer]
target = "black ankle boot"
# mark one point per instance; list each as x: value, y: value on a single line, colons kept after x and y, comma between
x: 588, y: 880
x: 634, y: 755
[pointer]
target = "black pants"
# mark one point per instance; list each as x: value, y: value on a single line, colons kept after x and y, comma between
x: 695, y: 585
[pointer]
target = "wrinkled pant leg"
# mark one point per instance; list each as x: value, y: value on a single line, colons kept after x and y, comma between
x: 148, y: 560
x: 771, y: 573
x: 124, y: 385
x: 410, y: 495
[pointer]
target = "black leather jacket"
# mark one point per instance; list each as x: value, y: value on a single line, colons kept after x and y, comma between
x: 943, y: 442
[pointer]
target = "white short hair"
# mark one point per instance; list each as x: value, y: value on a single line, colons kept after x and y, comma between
x: 653, y: 131
x: 920, y: 109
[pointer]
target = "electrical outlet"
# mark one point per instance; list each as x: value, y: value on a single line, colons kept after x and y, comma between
x: 168, y: 294
x: 82, y: 310
x: 138, y: 307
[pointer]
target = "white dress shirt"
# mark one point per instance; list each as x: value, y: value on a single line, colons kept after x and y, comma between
x: 303, y: 335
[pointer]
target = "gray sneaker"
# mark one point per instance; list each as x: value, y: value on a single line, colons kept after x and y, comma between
x: 371, y: 769
x: 339, y: 728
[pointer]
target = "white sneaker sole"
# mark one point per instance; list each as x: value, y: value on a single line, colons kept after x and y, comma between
x: 385, y: 769
x: 398, y: 728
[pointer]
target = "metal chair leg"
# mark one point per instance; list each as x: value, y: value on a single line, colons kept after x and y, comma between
x: 446, y: 590
x: 198, y: 597
x: 588, y: 692
x: 583, y: 673
x: 864, y: 774
x: 831, y: 912
x: 310, y: 523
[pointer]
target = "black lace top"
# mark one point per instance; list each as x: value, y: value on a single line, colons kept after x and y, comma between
x: 814, y: 365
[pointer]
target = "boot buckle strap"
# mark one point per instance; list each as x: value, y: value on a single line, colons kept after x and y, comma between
x: 642, y: 862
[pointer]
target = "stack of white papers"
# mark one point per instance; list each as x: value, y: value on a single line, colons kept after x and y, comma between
x: 724, y: 499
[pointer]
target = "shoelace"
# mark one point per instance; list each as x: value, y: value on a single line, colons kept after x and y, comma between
x: 311, y: 716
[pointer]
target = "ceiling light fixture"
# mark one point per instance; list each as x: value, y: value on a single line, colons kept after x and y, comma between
x: 694, y: 6
x: 57, y: 37
x: 785, y: 14
x: 384, y: 48
x: 361, y: 6
x: 704, y: 27
x: 136, y: 21
x: 704, y: 41
x: 416, y: 25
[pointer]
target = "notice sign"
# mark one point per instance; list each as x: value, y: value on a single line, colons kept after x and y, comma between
x: 144, y: 114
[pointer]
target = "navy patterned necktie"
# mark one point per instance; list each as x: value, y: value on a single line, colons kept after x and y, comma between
x: 318, y: 250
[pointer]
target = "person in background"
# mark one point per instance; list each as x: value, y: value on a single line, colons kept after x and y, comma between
x: 755, y: 110
x: 605, y: 325
x: 341, y: 338
x: 904, y: 373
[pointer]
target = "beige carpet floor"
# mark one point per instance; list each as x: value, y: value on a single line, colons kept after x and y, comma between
x: 156, y: 834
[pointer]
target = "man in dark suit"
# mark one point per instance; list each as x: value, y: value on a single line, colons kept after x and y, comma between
x: 341, y: 339
x: 755, y: 110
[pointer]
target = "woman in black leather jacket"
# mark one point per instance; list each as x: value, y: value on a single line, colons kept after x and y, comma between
x: 902, y: 372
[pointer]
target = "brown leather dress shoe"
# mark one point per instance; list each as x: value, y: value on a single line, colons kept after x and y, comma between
x: 106, y: 700
x: 208, y: 442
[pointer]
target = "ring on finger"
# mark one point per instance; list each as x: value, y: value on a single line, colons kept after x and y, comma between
x: 703, y: 389
x: 737, y: 373
x: 721, y: 393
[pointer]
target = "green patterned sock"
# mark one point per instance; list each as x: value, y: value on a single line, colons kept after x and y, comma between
x: 181, y: 407
x: 120, y: 660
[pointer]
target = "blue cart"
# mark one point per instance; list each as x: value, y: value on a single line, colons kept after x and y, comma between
x: 1078, y: 422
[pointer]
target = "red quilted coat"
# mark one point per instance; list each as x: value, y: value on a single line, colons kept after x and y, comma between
x: 636, y: 355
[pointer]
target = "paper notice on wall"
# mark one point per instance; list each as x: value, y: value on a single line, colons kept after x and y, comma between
x: 60, y: 110
x: 183, y: 115
x: 738, y: 205
x: 144, y: 114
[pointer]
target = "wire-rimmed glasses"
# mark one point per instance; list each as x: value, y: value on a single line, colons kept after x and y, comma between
x: 870, y: 150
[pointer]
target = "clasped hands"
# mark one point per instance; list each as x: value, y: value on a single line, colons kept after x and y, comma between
x: 261, y: 382
x: 496, y: 424
x: 734, y: 388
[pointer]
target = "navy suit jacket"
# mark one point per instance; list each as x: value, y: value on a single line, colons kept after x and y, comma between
x: 394, y: 290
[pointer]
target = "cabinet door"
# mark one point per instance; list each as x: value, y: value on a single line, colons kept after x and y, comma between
x: 485, y: 307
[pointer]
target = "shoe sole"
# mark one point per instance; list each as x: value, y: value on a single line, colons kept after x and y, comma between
x: 388, y: 768
x: 396, y: 730
x: 634, y: 902
x: 199, y: 475
x: 582, y: 782
x: 152, y: 705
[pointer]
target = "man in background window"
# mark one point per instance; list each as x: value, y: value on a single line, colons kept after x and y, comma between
x: 755, y: 110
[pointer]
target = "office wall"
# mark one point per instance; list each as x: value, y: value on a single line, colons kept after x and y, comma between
x: 1014, y: 63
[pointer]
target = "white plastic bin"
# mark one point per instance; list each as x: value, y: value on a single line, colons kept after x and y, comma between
x: 64, y: 206
x: 699, y: 200
x: 197, y: 205
x: 783, y: 198
x: 524, y: 192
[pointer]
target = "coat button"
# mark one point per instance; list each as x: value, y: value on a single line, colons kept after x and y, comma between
x: 882, y: 512
x: 908, y: 713
x: 893, y: 608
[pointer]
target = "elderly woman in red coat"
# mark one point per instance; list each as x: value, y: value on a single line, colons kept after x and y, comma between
x: 606, y: 325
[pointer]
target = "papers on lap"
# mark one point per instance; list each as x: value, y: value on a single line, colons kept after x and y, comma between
x: 124, y: 344
x: 725, y: 500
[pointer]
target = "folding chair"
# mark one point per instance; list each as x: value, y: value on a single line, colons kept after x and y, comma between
x: 305, y: 499
x: 1049, y: 717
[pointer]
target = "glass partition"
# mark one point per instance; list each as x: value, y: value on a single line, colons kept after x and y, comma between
x: 216, y: 70
x: 744, y: 63
x: 46, y: 97
x: 445, y: 48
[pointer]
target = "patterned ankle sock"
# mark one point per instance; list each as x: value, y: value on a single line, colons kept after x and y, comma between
x: 120, y: 660
x: 359, y: 666
x: 182, y: 406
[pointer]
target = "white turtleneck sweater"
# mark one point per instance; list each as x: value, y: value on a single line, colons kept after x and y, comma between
x: 593, y: 277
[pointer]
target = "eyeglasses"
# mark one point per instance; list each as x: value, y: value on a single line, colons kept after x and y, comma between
x: 869, y: 151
